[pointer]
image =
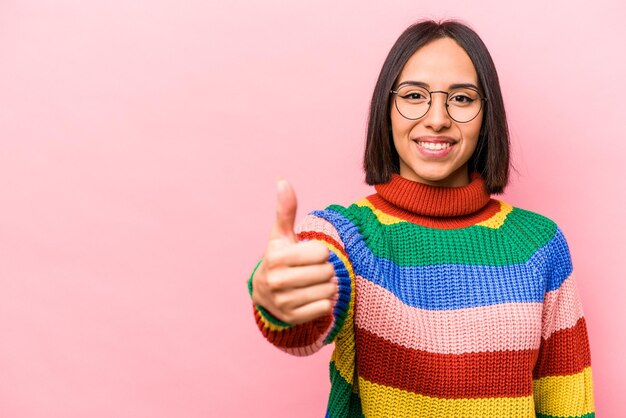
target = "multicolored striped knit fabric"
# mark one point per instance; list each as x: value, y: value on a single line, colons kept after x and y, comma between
x: 451, y: 304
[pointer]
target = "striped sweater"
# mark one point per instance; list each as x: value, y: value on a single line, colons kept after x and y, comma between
x: 451, y: 304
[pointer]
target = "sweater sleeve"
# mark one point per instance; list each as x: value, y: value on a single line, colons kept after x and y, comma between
x: 308, y: 338
x: 562, y: 381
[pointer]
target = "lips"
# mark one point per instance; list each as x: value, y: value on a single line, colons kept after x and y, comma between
x: 434, y: 146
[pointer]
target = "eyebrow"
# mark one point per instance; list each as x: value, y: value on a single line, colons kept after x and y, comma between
x: 425, y: 85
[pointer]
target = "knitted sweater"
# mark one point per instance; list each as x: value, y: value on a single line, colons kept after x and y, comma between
x: 451, y: 304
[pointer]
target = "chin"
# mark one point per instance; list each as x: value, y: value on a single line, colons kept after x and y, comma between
x: 439, y: 177
x: 433, y: 175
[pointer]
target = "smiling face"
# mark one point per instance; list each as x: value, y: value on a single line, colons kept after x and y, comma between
x: 435, y: 149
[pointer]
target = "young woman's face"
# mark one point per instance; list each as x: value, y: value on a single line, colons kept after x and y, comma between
x: 435, y: 149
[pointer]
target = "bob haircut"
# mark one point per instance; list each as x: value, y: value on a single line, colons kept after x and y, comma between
x: 491, y: 157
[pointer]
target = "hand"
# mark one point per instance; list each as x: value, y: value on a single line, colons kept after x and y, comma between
x: 295, y: 281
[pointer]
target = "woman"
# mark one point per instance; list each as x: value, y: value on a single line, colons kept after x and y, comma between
x: 441, y: 301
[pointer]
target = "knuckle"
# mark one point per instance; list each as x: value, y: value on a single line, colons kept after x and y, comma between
x: 318, y: 248
x: 327, y: 306
x: 329, y: 269
x: 324, y: 251
x: 281, y: 303
x: 325, y: 271
x: 322, y: 308
x: 329, y: 290
x: 275, y: 282
x: 271, y: 259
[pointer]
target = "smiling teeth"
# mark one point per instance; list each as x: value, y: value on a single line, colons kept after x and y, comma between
x: 433, y: 145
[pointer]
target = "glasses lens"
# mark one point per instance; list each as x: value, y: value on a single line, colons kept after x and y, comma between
x: 412, y: 101
x: 464, y: 104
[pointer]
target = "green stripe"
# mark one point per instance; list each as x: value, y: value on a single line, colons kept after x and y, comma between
x: 342, y: 402
x: 339, y: 320
x: 589, y: 415
x: 270, y: 318
x: 513, y: 243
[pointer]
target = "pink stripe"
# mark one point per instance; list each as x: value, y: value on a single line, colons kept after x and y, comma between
x: 312, y: 223
x: 506, y: 326
x: 562, y: 308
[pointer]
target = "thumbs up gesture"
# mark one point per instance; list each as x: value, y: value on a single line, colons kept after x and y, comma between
x: 295, y: 281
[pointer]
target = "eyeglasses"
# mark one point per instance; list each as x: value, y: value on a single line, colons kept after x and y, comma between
x: 462, y: 104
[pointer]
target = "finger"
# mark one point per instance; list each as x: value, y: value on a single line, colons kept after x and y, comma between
x: 301, y: 254
x: 296, y: 298
x: 286, y: 208
x: 311, y: 311
x: 300, y: 276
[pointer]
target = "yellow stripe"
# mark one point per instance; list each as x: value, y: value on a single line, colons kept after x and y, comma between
x: 344, y: 352
x: 382, y: 217
x: 493, y: 222
x: 268, y: 324
x: 384, y: 401
x: 497, y: 220
x: 565, y: 396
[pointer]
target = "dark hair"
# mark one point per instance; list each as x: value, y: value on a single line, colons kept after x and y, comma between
x: 491, y: 157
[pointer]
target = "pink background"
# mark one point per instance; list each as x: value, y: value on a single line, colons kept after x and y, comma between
x: 139, y: 146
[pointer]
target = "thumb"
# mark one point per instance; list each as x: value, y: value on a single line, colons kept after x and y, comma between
x: 286, y: 207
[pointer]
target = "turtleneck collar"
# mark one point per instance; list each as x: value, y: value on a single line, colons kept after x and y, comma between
x: 426, y: 200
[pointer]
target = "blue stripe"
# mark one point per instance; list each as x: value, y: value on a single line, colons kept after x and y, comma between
x: 561, y: 266
x: 456, y: 286
x: 340, y: 310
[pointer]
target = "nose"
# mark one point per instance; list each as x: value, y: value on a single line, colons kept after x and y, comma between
x: 437, y: 117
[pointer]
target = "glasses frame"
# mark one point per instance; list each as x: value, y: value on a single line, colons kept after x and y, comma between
x: 430, y: 101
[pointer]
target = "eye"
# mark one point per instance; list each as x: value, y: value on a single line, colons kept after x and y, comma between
x: 413, y: 96
x: 461, y: 99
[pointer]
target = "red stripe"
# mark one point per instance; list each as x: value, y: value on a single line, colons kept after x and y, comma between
x: 320, y: 236
x: 455, y: 376
x: 565, y: 352
x: 485, y: 213
x: 301, y: 335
